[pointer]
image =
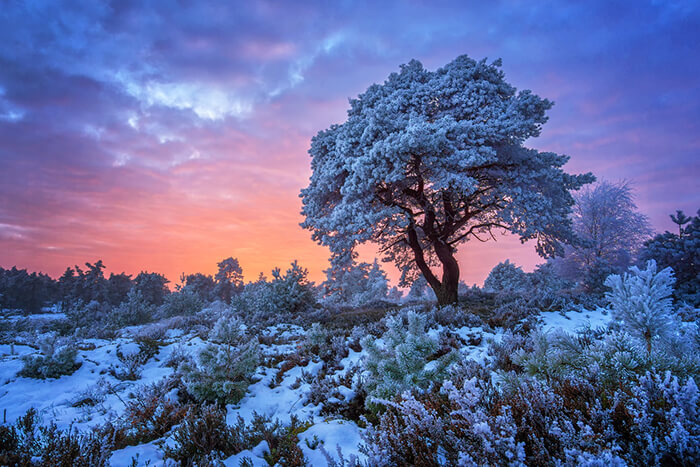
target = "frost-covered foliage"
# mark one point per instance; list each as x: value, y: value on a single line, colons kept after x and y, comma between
x: 85, y: 316
x: 182, y: 303
x: 356, y: 284
x: 288, y: 293
x: 606, y: 358
x: 610, y: 233
x: 680, y: 252
x: 454, y: 428
x: 224, y: 368
x: 641, y: 301
x: 420, y: 291
x: 428, y: 160
x: 506, y: 277
x: 654, y: 420
x: 58, y: 358
x: 136, y: 309
x: 400, y: 360
x: 665, y: 426
x: 542, y: 289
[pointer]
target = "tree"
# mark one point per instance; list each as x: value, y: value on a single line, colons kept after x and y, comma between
x: 152, y: 286
x: 680, y: 219
x: 680, y: 252
x: 229, y: 279
x: 610, y: 231
x: 357, y: 284
x: 429, y: 160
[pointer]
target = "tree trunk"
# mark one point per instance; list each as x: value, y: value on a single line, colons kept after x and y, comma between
x: 446, y: 292
x: 445, y: 289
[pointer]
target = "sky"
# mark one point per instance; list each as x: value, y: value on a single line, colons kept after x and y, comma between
x: 168, y: 135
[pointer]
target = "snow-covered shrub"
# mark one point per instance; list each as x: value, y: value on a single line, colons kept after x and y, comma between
x: 452, y: 427
x: 453, y: 316
x: 641, y: 301
x: 506, y: 278
x: 132, y: 359
x: 291, y: 293
x: 546, y: 289
x: 610, y: 359
x: 184, y: 302
x: 504, y: 349
x: 343, y: 394
x: 134, y: 310
x: 58, y: 358
x: 148, y: 417
x: 223, y: 369
x: 518, y: 315
x: 88, y: 318
x: 202, y: 438
x: 401, y: 359
x: 665, y: 421
x: 357, y: 284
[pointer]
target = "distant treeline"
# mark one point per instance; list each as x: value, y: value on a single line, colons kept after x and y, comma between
x: 30, y: 292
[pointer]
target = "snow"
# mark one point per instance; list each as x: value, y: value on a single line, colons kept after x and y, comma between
x: 331, y: 435
x: 573, y: 321
x: 280, y: 402
x: 54, y: 398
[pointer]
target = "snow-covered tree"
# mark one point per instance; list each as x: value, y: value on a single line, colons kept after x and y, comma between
x: 610, y: 231
x: 400, y: 361
x: 506, y: 277
x: 641, y: 300
x: 429, y: 160
x: 682, y: 253
x: 356, y: 284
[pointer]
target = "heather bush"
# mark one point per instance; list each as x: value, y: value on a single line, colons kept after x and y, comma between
x: 58, y: 358
x: 450, y: 427
x: 401, y: 359
x: 147, y: 417
x: 453, y: 316
x: 28, y: 443
x: 517, y: 315
x: 555, y: 421
x: 202, y: 438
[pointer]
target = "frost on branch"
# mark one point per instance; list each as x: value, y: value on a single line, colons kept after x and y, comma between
x: 400, y: 361
x: 641, y: 301
x: 429, y: 160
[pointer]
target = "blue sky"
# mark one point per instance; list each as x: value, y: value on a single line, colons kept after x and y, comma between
x: 167, y: 135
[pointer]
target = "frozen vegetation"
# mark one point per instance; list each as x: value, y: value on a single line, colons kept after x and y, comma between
x: 530, y: 370
x: 591, y: 359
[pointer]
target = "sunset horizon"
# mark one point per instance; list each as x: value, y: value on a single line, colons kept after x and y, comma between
x: 168, y: 139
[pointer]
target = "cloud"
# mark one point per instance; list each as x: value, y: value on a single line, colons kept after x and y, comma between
x: 168, y: 135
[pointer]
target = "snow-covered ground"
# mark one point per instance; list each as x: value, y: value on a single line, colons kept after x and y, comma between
x: 58, y: 400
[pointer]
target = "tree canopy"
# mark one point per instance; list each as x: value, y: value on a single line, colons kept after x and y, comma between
x: 429, y: 160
